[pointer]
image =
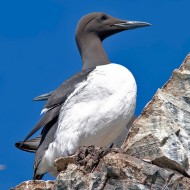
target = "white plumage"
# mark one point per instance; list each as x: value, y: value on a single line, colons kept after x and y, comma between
x: 94, y: 114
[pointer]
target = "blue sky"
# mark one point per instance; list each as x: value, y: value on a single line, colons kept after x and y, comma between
x: 38, y: 52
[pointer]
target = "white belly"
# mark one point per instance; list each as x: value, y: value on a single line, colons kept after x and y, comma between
x: 96, y: 112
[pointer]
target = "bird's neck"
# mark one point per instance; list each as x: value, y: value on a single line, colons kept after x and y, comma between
x: 91, y: 51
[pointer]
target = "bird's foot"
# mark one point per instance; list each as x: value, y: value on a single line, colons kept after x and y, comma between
x: 88, y: 158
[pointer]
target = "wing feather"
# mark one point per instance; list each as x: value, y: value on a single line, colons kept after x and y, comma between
x: 56, y: 100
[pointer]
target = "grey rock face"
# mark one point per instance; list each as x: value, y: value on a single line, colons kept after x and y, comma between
x: 161, y: 133
x: 120, y: 171
x: 154, y: 156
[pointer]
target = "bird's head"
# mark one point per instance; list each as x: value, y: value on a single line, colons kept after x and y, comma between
x: 103, y: 25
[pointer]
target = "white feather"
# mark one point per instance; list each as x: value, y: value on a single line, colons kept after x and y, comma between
x: 94, y: 114
x: 44, y: 111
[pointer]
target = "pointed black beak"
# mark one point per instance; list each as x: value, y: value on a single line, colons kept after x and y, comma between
x: 115, y: 25
x: 128, y: 25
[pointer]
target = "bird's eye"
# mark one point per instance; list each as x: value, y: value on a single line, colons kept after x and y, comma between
x: 103, y: 17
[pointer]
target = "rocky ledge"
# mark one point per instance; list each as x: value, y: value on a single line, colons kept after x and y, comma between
x: 155, y: 154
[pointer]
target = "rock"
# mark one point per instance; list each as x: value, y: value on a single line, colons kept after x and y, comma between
x: 116, y: 171
x: 35, y: 185
x: 161, y: 133
x: 131, y: 173
x: 73, y: 178
x: 155, y: 154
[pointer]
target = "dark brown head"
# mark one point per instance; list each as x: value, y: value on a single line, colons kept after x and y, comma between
x: 92, y: 29
x: 103, y: 25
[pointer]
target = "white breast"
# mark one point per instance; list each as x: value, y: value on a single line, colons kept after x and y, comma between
x: 96, y: 112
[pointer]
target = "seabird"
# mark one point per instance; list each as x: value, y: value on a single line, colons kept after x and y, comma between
x: 93, y: 106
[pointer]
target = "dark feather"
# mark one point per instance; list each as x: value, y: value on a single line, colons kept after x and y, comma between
x: 42, y: 97
x: 47, y: 138
x: 61, y: 93
x: 56, y: 99
x: 38, y: 177
x: 49, y: 116
x: 30, y: 145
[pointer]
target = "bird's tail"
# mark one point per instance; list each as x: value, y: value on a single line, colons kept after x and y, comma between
x: 43, y: 97
x: 29, y: 145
